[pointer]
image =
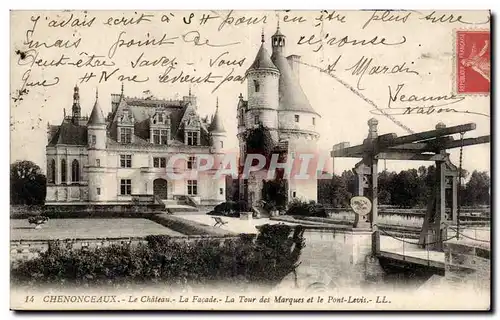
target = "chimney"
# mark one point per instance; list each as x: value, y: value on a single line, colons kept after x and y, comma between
x: 294, y: 62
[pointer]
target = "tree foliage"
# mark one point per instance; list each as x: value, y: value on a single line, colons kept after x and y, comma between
x: 27, y: 183
x: 477, y: 189
x: 408, y: 188
x: 274, y: 194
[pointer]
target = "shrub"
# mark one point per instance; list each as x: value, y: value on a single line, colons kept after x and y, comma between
x: 308, y: 209
x: 225, y: 208
x: 265, y: 259
x: 230, y: 208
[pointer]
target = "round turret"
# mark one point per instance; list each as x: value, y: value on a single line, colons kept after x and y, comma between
x: 217, y: 131
x: 263, y: 94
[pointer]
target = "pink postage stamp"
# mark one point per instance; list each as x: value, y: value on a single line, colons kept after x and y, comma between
x: 472, y: 62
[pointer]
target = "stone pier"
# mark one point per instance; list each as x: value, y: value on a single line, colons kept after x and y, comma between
x: 335, y: 257
x: 468, y: 264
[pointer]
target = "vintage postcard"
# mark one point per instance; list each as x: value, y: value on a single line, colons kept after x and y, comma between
x: 250, y: 160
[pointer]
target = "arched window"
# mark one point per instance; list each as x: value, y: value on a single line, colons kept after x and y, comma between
x: 75, y: 171
x: 63, y: 171
x: 52, y: 171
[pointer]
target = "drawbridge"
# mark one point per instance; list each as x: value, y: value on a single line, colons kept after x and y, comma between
x: 440, y: 225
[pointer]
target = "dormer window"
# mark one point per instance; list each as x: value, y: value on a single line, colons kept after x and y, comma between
x: 159, y: 129
x: 256, y: 85
x: 192, y: 138
x: 314, y: 121
x: 126, y: 135
x: 256, y: 119
x: 297, y: 118
x: 163, y: 136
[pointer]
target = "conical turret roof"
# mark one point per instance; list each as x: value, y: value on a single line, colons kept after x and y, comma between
x: 262, y: 60
x: 96, y: 117
x: 291, y: 95
x: 216, y: 125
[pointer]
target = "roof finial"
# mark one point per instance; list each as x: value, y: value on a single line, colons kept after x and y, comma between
x: 277, y: 29
x: 262, y: 36
x: 122, y: 88
x: 217, y: 103
x: 96, y: 93
x: 190, y: 90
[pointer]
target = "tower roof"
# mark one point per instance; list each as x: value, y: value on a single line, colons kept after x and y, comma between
x: 216, y: 125
x: 96, y: 117
x: 291, y: 95
x: 278, y: 32
x: 262, y: 60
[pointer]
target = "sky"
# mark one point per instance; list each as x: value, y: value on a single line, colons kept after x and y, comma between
x: 421, y: 65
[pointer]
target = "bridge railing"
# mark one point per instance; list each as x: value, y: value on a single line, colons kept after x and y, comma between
x: 409, y: 250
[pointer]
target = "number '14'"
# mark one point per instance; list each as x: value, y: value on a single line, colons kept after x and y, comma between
x: 30, y: 299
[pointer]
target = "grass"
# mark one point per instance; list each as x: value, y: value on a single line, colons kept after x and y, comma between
x: 88, y: 228
x: 188, y: 227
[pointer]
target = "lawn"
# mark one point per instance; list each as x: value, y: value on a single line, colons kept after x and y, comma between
x: 20, y: 229
x: 234, y: 225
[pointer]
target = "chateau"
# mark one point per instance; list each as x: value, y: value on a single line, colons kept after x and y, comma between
x: 126, y: 156
x: 123, y: 158
x: 277, y: 102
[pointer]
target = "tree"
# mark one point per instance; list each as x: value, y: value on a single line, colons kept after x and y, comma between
x: 350, y: 180
x: 341, y: 196
x: 406, y: 188
x: 325, y: 192
x: 477, y: 189
x: 27, y: 183
x: 385, y: 179
x: 259, y: 141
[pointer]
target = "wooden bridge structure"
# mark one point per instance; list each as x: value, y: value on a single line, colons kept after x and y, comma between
x: 422, y: 146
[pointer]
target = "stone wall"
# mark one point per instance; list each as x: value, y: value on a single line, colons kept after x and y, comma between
x: 468, y: 264
x: 335, y: 257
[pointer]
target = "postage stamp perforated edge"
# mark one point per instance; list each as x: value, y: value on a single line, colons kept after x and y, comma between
x: 454, y: 89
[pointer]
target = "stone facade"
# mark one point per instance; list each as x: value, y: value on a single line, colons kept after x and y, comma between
x: 136, y: 151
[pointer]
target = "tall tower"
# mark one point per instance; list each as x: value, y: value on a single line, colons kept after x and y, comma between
x: 96, y: 128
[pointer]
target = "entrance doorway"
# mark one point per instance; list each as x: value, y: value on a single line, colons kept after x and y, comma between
x: 160, y: 188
